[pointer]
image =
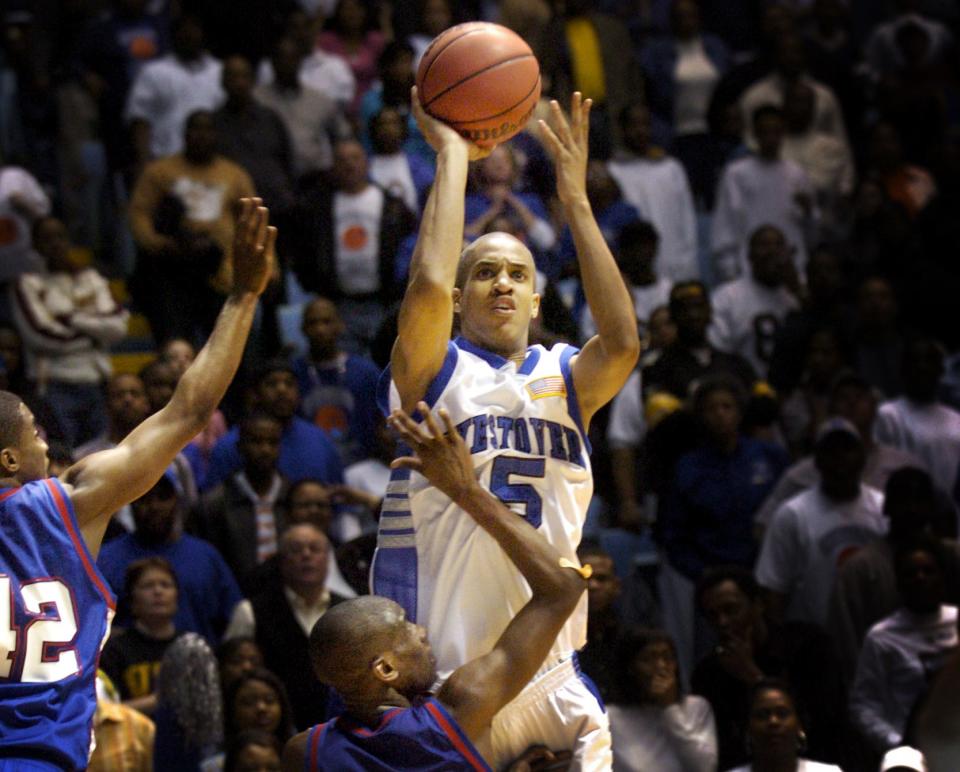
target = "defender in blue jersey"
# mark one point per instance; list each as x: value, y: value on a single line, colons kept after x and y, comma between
x: 383, y: 667
x: 55, y: 607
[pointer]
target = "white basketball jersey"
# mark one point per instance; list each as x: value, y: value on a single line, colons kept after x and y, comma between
x: 522, y: 425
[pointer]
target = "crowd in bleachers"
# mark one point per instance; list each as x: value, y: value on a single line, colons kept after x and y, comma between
x: 774, y: 526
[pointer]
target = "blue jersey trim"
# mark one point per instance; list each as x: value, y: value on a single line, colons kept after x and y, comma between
x: 533, y: 357
x: 588, y: 681
x: 573, y: 404
x: 434, y: 390
x: 495, y: 360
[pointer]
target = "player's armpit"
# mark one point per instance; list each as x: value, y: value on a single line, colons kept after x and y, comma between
x: 600, y: 370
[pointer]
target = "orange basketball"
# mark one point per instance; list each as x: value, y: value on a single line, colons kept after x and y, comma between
x: 480, y: 78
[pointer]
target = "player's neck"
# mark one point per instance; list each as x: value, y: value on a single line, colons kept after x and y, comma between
x: 9, y: 482
x: 369, y: 708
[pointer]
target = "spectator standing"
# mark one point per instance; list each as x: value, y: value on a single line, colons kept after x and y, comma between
x: 750, y: 648
x: 208, y: 592
x: 324, y: 72
x: 67, y: 318
x: 254, y: 136
x: 656, y: 185
x: 183, y: 214
x: 682, y: 72
x: 345, y: 241
x: 243, y: 515
x: 762, y: 189
x: 653, y: 725
x: 790, y: 69
x: 902, y: 653
x: 313, y: 120
x: 352, y: 35
x: 281, y: 617
x: 166, y: 91
x: 854, y: 400
x: 305, y: 450
x: 812, y: 533
x: 748, y: 312
x: 405, y: 174
x: 338, y: 389
x: 865, y: 590
x: 917, y: 422
x: 879, y: 336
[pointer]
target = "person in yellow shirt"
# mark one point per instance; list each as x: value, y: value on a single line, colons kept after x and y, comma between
x: 124, y: 735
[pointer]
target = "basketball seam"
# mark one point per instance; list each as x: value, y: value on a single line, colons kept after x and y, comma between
x: 504, y: 112
x: 445, y: 47
x: 475, y: 74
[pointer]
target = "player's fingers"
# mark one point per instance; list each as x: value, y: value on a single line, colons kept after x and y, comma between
x: 585, y: 121
x: 560, y: 125
x: 246, y: 207
x: 407, y: 462
x: 429, y: 421
x: 253, y: 221
x: 451, y: 429
x: 271, y: 244
x: 403, y: 423
x: 552, y: 141
x: 575, y: 116
x: 262, y: 221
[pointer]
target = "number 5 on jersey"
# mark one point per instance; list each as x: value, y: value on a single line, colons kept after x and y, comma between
x: 44, y: 645
x: 504, y: 467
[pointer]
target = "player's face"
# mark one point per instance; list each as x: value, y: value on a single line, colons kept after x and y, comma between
x: 257, y: 706
x: 497, y: 299
x: 33, y: 449
x: 154, y: 596
x: 415, y: 659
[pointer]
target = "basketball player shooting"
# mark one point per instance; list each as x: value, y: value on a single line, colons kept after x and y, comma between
x: 55, y: 607
x: 523, y: 412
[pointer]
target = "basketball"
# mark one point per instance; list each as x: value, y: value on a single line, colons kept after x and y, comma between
x: 481, y: 79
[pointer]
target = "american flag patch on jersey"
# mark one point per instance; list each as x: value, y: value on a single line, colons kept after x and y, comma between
x: 551, y: 386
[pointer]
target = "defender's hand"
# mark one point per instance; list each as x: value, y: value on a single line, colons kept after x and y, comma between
x: 441, y: 454
x: 438, y: 134
x: 253, y: 248
x: 568, y: 145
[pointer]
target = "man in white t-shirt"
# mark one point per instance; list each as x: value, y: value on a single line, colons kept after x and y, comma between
x: 762, y: 189
x: 916, y: 422
x: 748, y: 312
x: 656, y: 184
x: 814, y: 532
x: 167, y: 90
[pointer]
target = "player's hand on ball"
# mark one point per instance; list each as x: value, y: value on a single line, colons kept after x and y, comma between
x: 568, y: 145
x: 438, y: 134
x: 441, y: 455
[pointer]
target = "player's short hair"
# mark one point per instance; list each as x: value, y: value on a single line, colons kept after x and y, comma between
x: 11, y: 421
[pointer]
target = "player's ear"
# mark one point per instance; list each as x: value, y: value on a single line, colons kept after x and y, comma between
x: 535, y: 308
x: 10, y: 460
x: 456, y: 300
x: 384, y: 670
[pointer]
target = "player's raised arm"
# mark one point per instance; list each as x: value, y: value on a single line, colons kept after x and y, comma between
x: 426, y: 314
x: 102, y: 483
x: 606, y: 360
x: 477, y: 690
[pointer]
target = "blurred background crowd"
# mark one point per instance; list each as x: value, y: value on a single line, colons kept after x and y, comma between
x: 773, y: 532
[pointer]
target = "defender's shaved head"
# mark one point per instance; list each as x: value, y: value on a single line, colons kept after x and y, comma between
x: 347, y: 638
x: 11, y: 420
